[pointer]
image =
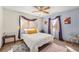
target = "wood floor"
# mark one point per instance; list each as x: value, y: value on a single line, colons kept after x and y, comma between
x: 8, y: 46
x: 68, y: 45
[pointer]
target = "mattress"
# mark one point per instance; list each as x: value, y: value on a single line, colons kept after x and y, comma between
x: 36, y: 40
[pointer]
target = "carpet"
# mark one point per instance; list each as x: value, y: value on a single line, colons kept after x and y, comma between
x: 50, y: 48
x: 54, y: 48
x: 20, y: 48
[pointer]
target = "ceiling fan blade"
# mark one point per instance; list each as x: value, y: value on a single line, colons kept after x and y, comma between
x: 35, y: 11
x: 46, y: 8
x: 46, y: 12
x: 41, y: 7
x: 37, y: 7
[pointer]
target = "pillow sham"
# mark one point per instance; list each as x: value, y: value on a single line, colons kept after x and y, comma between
x: 30, y: 31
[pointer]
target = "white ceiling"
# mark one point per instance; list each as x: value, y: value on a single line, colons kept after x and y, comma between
x: 30, y: 9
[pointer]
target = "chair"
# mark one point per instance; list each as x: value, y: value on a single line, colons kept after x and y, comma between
x: 75, y: 38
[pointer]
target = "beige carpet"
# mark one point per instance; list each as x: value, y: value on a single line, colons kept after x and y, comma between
x: 54, y: 48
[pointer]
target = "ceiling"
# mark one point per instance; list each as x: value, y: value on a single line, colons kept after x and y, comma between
x: 30, y: 9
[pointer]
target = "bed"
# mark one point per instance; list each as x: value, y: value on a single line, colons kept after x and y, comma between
x: 36, y: 40
x: 29, y: 31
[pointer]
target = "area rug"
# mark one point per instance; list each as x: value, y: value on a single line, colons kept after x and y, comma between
x: 50, y: 48
x: 19, y: 48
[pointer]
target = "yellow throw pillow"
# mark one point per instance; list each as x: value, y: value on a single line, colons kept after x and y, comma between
x: 31, y: 31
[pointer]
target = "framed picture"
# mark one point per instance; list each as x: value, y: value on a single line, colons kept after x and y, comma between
x: 67, y: 20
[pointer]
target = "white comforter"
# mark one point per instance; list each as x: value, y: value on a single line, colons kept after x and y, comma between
x: 36, y: 40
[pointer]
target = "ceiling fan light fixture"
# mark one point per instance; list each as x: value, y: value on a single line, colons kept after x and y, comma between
x: 43, y: 9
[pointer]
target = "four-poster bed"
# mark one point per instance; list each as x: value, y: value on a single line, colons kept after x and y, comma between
x: 35, y: 39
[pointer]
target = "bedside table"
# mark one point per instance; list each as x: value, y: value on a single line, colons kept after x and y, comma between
x: 8, y: 36
x: 42, y: 31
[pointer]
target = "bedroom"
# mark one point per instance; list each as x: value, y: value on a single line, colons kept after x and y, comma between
x: 10, y: 26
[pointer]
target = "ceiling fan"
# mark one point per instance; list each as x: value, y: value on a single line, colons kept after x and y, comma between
x: 43, y: 9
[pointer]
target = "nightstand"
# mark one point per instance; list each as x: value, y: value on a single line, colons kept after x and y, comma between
x: 8, y: 36
x: 42, y: 31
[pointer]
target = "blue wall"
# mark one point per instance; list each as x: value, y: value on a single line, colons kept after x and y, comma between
x: 69, y: 29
